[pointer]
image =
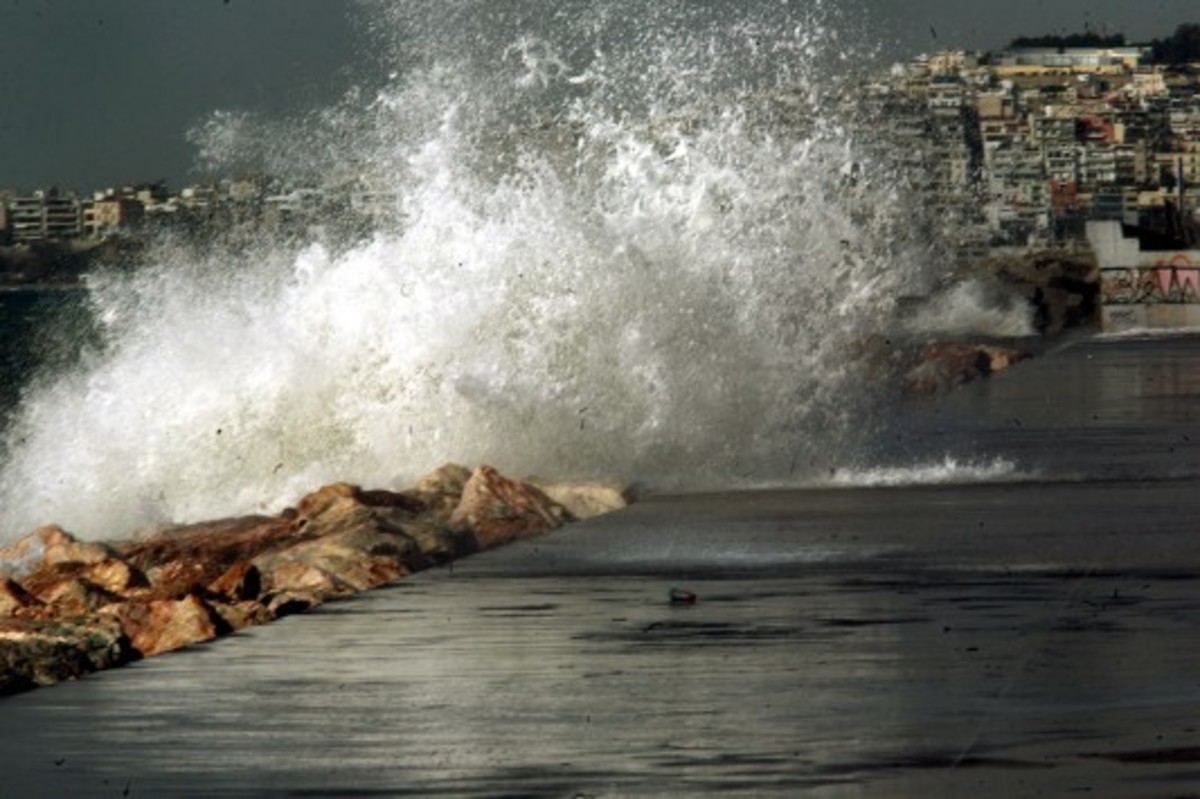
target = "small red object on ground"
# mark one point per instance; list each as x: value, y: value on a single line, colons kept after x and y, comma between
x: 681, y: 597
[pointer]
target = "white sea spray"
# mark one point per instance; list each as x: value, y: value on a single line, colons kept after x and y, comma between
x: 626, y: 243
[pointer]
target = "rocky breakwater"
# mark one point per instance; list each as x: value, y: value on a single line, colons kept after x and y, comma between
x: 70, y: 607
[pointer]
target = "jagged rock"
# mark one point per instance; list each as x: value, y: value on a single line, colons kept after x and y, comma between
x: 305, y: 578
x: 358, y: 555
x: 162, y: 625
x: 584, y: 500
x: 77, y: 596
x: 497, y: 510
x: 115, y: 575
x: 337, y: 494
x: 238, y: 615
x: 184, y: 560
x: 14, y: 598
x: 240, y: 582
x: 449, y: 478
x: 51, y: 545
x: 78, y: 606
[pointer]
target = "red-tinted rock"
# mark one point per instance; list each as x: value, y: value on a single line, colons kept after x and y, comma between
x: 162, y: 625
x: 184, y: 560
x: 497, y: 510
x: 74, y: 606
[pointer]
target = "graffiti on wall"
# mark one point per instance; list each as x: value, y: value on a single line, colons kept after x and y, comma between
x: 1173, y: 280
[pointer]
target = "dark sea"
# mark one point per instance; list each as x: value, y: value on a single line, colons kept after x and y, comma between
x: 40, y: 329
x: 1035, y: 633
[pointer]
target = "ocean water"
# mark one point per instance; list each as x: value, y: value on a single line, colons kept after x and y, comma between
x: 41, y: 330
x: 1023, y: 637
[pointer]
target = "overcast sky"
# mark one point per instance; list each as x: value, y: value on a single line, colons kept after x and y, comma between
x: 96, y: 92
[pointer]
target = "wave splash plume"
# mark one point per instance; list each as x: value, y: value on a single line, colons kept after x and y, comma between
x: 630, y: 242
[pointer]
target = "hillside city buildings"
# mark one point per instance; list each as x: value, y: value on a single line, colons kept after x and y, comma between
x: 1021, y: 148
x: 1016, y: 149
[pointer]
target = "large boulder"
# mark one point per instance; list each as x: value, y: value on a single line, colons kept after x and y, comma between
x: 184, y: 560
x: 355, y: 540
x: 496, y: 510
x: 162, y: 625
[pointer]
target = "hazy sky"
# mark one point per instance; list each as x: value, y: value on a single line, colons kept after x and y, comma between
x: 95, y: 92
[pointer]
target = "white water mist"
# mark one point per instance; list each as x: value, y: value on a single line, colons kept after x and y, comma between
x: 625, y: 247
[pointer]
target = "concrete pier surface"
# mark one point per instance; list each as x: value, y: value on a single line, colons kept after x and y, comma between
x: 1038, y: 634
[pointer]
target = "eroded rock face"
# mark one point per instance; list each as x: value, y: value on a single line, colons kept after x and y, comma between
x: 161, y: 625
x: 69, y: 607
x: 497, y: 510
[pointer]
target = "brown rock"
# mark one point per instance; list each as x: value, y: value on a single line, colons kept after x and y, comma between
x: 319, y: 501
x: 241, y: 581
x: 79, y: 606
x: 441, y: 489
x: 356, y: 540
x: 14, y: 598
x: 115, y: 575
x: 446, y: 479
x: 77, y: 596
x: 162, y: 625
x: 238, y: 615
x: 945, y: 365
x: 305, y: 578
x: 51, y: 545
x: 354, y: 558
x: 497, y: 510
x: 185, y: 560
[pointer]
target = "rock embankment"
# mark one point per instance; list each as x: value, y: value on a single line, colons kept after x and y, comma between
x: 69, y: 607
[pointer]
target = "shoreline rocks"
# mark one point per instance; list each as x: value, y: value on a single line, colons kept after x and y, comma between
x: 945, y: 365
x: 69, y: 607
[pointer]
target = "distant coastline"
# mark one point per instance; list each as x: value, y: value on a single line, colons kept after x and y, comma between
x: 58, y: 265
